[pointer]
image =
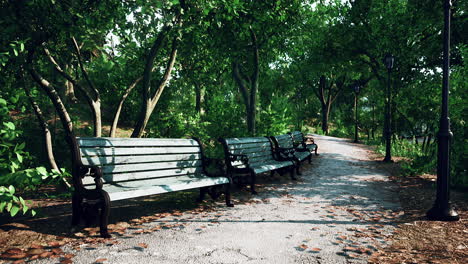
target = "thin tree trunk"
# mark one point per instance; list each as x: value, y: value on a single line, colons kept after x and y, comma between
x: 48, y: 146
x: 70, y: 89
x: 115, y: 120
x: 96, y: 104
x: 198, y: 98
x: 149, y: 102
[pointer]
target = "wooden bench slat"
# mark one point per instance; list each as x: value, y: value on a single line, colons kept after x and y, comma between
x: 231, y: 141
x: 134, y: 142
x: 136, y: 151
x: 248, y: 152
x: 133, y: 189
x: 272, y: 166
x: 250, y: 145
x: 101, y: 160
x: 118, y: 177
x: 107, y: 169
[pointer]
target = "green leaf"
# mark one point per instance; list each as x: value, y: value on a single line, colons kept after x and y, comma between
x: 14, y: 210
x: 2, y: 206
x: 42, y: 171
x: 21, y: 146
x: 11, y: 188
x: 9, y: 205
x: 9, y: 125
x: 22, y: 201
x: 33, y: 213
x: 25, y: 209
x: 20, y: 158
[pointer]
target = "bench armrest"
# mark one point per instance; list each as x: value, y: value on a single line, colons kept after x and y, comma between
x: 242, y: 157
x: 285, y: 153
x: 93, y: 171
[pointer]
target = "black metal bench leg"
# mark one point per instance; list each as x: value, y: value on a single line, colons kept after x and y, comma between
x: 227, y: 195
x: 291, y: 172
x: 104, y: 216
x: 310, y: 159
x: 316, y: 148
x: 203, y: 192
x: 77, y: 211
x: 298, y: 167
x: 252, y: 183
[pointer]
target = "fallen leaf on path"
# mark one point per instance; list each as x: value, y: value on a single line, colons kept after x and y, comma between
x: 143, y: 245
x: 100, y: 260
x: 66, y: 261
x: 14, y: 251
x: 315, y: 249
x: 303, y: 246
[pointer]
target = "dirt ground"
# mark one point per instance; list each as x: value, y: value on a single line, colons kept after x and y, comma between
x: 416, y: 240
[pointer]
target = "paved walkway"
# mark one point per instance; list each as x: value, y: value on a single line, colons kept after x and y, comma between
x: 339, y: 211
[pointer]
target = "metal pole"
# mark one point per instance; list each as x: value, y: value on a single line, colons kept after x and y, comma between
x: 442, y: 210
x: 388, y: 128
x: 356, y: 135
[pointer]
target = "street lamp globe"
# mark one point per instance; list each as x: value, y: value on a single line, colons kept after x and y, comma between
x: 356, y: 87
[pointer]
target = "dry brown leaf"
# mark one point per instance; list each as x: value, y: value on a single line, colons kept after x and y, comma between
x: 303, y: 246
x: 35, y: 251
x: 57, y: 251
x: 66, y: 261
x: 18, y: 256
x: 46, y: 254
x: 54, y: 244
x: 18, y: 261
x: 14, y: 251
x: 100, y: 260
x: 69, y: 255
x: 315, y: 249
x: 143, y: 245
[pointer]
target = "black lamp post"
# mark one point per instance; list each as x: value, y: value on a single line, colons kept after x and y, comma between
x: 442, y: 210
x: 388, y: 61
x: 356, y: 88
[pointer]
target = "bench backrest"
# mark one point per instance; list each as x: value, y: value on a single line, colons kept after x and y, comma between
x: 126, y: 159
x: 297, y: 136
x: 257, y: 149
x: 283, y: 141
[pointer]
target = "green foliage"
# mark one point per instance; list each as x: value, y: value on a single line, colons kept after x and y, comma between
x: 11, y: 203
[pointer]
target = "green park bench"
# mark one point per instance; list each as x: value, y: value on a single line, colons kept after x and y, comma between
x: 301, y: 144
x: 284, y: 148
x: 112, y: 169
x: 252, y: 156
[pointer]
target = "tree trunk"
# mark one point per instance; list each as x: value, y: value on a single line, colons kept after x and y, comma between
x: 70, y: 89
x: 325, y: 114
x: 245, y: 82
x: 97, y: 118
x: 149, y: 102
x: 115, y: 120
x: 198, y: 98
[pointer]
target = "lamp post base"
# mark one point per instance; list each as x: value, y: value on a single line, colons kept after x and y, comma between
x: 388, y: 160
x: 446, y: 213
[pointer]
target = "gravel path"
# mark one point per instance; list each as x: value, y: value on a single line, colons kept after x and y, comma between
x: 339, y: 211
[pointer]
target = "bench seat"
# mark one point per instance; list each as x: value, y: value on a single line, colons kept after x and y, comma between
x: 284, y: 149
x: 252, y: 155
x: 300, y: 142
x: 133, y: 189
